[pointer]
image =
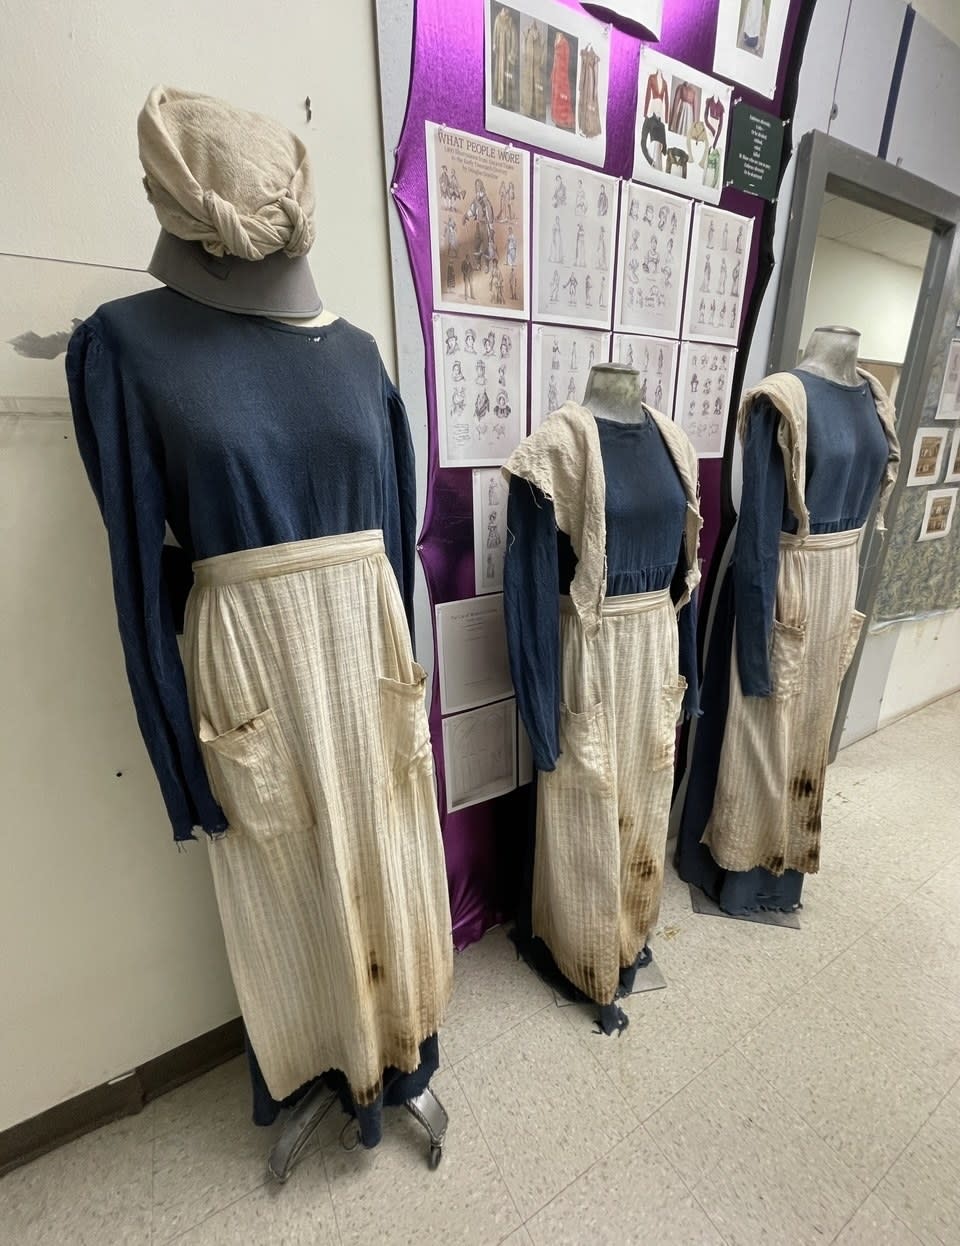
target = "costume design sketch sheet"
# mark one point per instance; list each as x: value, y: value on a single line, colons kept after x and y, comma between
x: 479, y: 192
x: 480, y: 754
x: 703, y: 396
x: 749, y: 42
x: 653, y: 241
x: 948, y: 408
x: 562, y: 359
x: 717, y: 276
x: 472, y: 653
x: 655, y: 358
x: 481, y: 370
x: 682, y: 124
x: 489, y: 529
x: 546, y: 70
x: 575, y: 213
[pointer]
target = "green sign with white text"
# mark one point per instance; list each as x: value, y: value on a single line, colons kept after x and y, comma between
x: 756, y: 146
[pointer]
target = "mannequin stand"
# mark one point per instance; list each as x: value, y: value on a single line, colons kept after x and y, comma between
x: 307, y: 1116
x: 701, y: 903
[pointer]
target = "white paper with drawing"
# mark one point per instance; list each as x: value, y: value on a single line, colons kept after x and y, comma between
x: 653, y: 241
x: 489, y: 529
x: 655, y: 359
x: 749, y: 42
x: 472, y: 653
x: 575, y: 213
x: 480, y: 754
x: 703, y: 396
x: 481, y: 375
x: 562, y: 359
x: 720, y: 258
x: 948, y: 407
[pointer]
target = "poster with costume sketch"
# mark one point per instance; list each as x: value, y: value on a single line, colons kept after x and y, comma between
x: 575, y: 214
x: 480, y: 754
x: 481, y: 374
x: 489, y: 529
x: 655, y: 359
x: 948, y: 406
x: 561, y: 363
x: 546, y: 72
x: 682, y: 125
x: 717, y: 277
x: 704, y: 395
x: 749, y: 42
x: 479, y: 194
x: 652, y: 246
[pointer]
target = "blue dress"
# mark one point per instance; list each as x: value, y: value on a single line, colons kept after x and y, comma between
x: 846, y: 457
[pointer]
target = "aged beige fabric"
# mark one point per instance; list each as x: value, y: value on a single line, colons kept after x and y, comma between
x: 233, y: 180
x: 602, y: 814
x: 330, y: 880
x: 769, y: 795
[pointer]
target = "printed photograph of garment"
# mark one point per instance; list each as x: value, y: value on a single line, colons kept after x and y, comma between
x: 754, y: 15
x: 681, y: 138
x: 716, y: 284
x: 478, y: 194
x: 546, y: 74
x: 603, y: 736
x: 588, y: 108
x: 481, y: 388
x: 655, y: 359
x: 561, y: 360
x: 702, y: 404
x: 652, y: 250
x: 573, y: 212
x: 749, y: 42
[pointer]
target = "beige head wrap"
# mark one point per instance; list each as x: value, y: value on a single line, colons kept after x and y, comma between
x: 233, y: 180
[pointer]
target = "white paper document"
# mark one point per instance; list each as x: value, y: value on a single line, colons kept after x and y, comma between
x: 703, y: 396
x: 489, y: 529
x: 472, y: 650
x: 562, y: 359
x: 480, y: 754
x: 720, y: 258
x: 655, y: 358
x: 653, y: 241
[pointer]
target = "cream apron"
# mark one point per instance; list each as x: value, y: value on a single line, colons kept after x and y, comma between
x: 330, y: 880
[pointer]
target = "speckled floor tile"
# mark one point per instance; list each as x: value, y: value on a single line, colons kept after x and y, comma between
x: 876, y: 1225
x: 923, y: 1186
x: 632, y: 1194
x: 921, y: 930
x: 493, y: 991
x: 862, y: 1101
x: 519, y: 1238
x: 761, y: 1174
x: 92, y: 1192
x: 544, y: 1106
x: 390, y: 1195
x: 299, y: 1213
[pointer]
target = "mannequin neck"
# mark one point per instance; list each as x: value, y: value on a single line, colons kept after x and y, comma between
x: 277, y: 286
x: 615, y: 392
x: 832, y: 352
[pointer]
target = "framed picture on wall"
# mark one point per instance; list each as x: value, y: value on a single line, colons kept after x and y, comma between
x: 749, y: 42
x: 939, y: 509
x: 479, y: 193
x: 546, y: 69
x: 927, y: 458
x: 575, y: 215
x: 682, y: 124
x: 953, y: 460
x: 717, y: 276
x: 948, y: 407
x: 655, y: 358
x: 652, y: 248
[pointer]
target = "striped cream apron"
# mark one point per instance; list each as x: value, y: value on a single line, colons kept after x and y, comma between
x: 330, y: 880
x: 602, y: 813
x: 769, y: 794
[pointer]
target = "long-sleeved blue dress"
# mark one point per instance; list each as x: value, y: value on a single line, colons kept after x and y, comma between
x: 846, y: 456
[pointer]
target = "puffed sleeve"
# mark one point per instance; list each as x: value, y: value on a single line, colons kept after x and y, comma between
x: 123, y: 465
x: 757, y: 548
x: 532, y: 613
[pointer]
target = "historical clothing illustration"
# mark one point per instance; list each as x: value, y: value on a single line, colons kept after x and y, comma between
x: 588, y: 108
x: 683, y: 110
x: 656, y: 97
x: 561, y: 104
x: 506, y: 45
x: 533, y: 72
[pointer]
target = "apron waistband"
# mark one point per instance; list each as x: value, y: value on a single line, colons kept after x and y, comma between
x: 287, y: 558
x: 820, y: 540
x: 625, y: 603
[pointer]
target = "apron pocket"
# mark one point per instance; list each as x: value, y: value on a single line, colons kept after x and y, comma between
x: 671, y: 701
x: 584, y: 761
x: 255, y: 778
x: 786, y: 658
x: 404, y: 728
x: 849, y: 646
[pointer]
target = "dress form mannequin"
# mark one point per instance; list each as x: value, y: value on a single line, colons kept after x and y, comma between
x: 278, y: 286
x: 613, y: 393
x: 832, y: 353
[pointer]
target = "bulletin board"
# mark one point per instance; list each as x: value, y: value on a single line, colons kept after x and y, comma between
x: 458, y: 188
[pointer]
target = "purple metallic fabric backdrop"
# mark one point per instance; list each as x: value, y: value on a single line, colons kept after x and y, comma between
x: 446, y: 86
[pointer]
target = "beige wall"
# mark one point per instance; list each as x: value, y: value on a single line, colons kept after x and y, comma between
x: 112, y: 951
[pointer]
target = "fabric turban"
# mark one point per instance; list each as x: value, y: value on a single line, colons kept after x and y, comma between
x: 233, y: 180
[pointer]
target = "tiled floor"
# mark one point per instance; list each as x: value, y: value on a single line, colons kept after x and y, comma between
x: 786, y: 1088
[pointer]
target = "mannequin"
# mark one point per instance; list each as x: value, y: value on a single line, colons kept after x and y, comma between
x: 819, y: 454
x: 602, y: 558
x: 270, y: 440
